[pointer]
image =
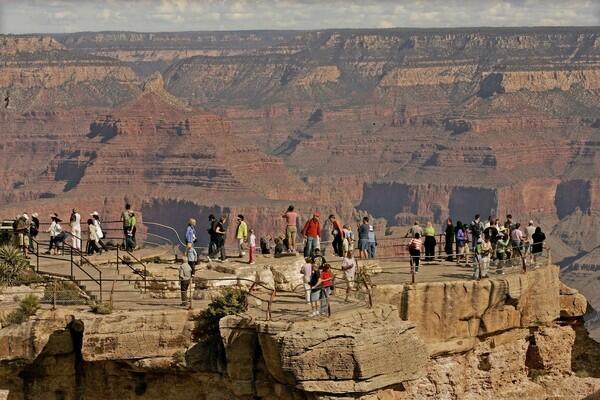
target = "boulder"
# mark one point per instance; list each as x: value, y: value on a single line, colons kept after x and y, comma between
x: 552, y: 348
x: 572, y: 303
x: 356, y: 351
x: 286, y: 273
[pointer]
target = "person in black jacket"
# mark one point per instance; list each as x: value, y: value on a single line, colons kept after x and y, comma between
x: 449, y: 240
x: 538, y: 243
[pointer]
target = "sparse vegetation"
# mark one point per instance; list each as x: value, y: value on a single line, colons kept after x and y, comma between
x: 28, y: 307
x: 101, y: 308
x: 67, y: 293
x: 231, y: 301
x: 13, y: 265
x: 179, y: 359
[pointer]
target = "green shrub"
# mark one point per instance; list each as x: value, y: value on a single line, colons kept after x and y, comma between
x: 12, y: 265
x: 231, y: 301
x: 178, y: 359
x: 28, y: 307
x: 101, y: 308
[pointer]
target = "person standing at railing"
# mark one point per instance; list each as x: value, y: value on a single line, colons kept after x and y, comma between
x: 449, y: 240
x: 537, y: 246
x: 363, y: 238
x: 372, y: 242
x: 349, y: 268
x: 337, y: 233
x: 476, y: 230
x: 430, y: 242
x: 57, y: 235
x: 528, y: 236
x: 130, y: 243
x: 220, y: 236
x: 502, y: 250
x: 306, y: 270
x: 99, y: 231
x: 315, y: 290
x: 34, y: 229
x: 185, y: 276
x: 312, y: 233
x: 416, y: 228
x: 192, y: 257
x: 326, y: 282
x: 126, y: 221
x: 517, y: 240
x: 92, y: 239
x: 461, y: 242
x: 21, y: 228
x: 291, y: 229
x: 251, y: 247
x: 190, y: 232
x: 212, y: 234
x: 241, y: 234
x: 75, y: 222
x: 483, y: 251
x: 414, y: 249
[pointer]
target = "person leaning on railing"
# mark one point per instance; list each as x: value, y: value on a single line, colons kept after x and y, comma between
x: 538, y: 243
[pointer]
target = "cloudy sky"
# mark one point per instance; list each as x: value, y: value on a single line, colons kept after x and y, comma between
x: 29, y: 16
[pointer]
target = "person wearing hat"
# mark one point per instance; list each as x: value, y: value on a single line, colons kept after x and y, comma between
x: 21, y: 227
x: 529, y: 231
x: 57, y: 235
x: 99, y: 232
x: 312, y: 233
x: 75, y: 222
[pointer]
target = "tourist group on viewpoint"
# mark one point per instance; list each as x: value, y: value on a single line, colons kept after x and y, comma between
x: 482, y: 242
x: 476, y: 243
x: 27, y: 230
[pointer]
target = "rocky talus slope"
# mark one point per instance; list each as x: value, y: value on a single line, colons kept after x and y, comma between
x: 517, y: 337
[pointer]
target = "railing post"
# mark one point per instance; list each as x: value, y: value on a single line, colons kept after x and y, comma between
x: 145, y: 276
x: 100, y: 286
x: 117, y: 259
x: 54, y: 294
x: 71, y: 252
x: 37, y: 257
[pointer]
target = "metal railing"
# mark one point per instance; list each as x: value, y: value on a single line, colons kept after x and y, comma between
x: 74, y: 254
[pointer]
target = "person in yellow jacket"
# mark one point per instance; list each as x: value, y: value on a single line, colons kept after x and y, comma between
x: 430, y: 242
x: 241, y: 234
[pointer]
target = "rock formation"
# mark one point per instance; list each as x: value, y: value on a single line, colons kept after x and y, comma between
x: 499, y: 338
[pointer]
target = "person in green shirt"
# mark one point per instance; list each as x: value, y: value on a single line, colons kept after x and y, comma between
x: 502, y: 248
x: 430, y: 242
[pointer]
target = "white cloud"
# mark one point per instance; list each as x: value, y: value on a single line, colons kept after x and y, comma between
x: 21, y: 16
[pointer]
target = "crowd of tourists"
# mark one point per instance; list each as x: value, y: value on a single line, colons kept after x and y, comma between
x: 28, y: 228
x: 489, y: 241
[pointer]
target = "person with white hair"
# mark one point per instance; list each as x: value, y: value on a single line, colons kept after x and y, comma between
x: 190, y: 233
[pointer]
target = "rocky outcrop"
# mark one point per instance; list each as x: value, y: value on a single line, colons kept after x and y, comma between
x: 451, y: 316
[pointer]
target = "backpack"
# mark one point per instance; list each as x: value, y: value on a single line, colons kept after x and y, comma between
x: 476, y: 228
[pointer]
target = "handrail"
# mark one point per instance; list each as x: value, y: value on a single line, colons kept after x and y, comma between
x: 145, y: 273
x: 71, y: 262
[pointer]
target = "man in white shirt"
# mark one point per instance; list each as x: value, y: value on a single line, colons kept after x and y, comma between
x: 76, y: 229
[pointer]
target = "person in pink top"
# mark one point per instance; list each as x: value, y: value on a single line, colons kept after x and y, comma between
x: 252, y: 247
x: 291, y: 219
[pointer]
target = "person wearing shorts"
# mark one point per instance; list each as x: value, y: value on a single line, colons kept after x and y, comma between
x: 291, y: 230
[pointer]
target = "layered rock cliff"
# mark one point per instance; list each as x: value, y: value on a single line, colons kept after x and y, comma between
x: 496, y: 339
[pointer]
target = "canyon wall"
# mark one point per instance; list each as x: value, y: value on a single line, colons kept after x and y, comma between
x: 501, y: 338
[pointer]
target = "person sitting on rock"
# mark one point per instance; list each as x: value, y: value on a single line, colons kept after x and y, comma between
x: 264, y: 245
x: 279, y: 247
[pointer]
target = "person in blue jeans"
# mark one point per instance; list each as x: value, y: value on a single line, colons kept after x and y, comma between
x: 372, y: 242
